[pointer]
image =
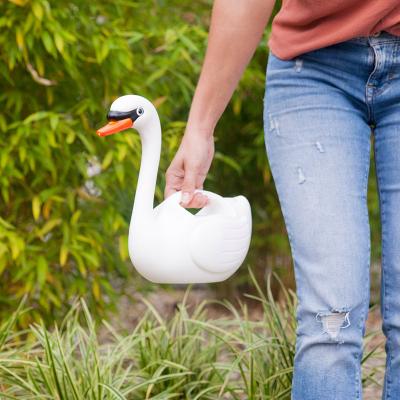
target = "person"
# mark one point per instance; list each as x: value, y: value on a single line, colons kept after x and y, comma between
x: 333, y: 87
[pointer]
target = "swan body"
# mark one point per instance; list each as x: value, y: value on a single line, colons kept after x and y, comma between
x: 168, y: 244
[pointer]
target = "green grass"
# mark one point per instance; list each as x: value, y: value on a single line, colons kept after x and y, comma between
x: 185, y: 357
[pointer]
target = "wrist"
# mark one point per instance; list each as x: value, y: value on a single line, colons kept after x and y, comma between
x: 200, y: 128
x: 203, y: 115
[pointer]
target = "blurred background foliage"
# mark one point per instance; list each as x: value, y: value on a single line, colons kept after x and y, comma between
x: 65, y: 194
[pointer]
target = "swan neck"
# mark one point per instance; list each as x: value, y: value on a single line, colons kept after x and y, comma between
x: 150, y: 137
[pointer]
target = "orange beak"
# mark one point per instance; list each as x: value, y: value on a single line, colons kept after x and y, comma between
x: 114, y: 127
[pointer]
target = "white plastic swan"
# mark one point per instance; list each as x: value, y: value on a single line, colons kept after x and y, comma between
x: 168, y: 244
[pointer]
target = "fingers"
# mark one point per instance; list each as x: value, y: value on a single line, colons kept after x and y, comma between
x: 174, y: 179
x: 189, y: 185
x: 175, y: 182
x: 199, y: 200
x: 193, y: 180
x: 188, y: 171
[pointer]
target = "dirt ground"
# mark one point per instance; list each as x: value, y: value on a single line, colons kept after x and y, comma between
x: 165, y: 302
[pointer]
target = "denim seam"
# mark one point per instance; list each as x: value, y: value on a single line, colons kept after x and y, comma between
x: 393, y: 61
x: 386, y: 41
x: 388, y: 382
x: 367, y: 261
x: 363, y: 315
x: 357, y: 376
x: 270, y: 129
x: 380, y: 90
x: 290, y: 237
x: 366, y: 40
x: 367, y: 87
x: 360, y: 42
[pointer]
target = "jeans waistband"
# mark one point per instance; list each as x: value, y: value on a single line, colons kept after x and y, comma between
x: 379, y: 37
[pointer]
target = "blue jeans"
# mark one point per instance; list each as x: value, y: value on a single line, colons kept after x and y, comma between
x: 321, y: 110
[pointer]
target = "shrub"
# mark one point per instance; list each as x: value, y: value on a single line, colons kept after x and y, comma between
x: 63, y: 230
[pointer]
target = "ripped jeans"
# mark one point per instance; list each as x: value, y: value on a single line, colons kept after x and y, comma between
x: 323, y: 111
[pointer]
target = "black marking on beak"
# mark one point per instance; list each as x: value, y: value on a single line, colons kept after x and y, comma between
x: 119, y: 115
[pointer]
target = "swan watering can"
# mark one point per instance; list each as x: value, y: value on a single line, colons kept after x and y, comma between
x: 168, y: 244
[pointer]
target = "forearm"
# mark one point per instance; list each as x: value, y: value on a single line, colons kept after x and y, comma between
x: 235, y: 31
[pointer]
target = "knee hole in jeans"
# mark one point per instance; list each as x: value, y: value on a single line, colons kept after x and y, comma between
x: 333, y: 321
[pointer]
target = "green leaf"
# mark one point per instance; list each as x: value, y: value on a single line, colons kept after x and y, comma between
x: 48, y: 226
x: 59, y: 41
x: 42, y: 268
x: 19, y: 39
x: 37, y: 10
x: 107, y: 160
x: 36, y: 205
x: 48, y: 42
x: 63, y: 255
x: 36, y: 117
x: 123, y: 247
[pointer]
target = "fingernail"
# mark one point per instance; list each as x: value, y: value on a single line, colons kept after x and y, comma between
x: 185, y: 197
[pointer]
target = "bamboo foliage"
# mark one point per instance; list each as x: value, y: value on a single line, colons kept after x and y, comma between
x: 64, y: 193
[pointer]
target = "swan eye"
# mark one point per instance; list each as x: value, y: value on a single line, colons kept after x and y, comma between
x: 140, y: 111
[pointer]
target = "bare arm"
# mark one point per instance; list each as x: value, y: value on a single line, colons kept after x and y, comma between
x: 235, y: 31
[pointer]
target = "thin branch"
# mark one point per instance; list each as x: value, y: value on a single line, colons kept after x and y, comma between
x: 39, y: 79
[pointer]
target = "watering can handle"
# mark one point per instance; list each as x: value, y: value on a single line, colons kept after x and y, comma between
x: 212, y: 197
x: 214, y: 204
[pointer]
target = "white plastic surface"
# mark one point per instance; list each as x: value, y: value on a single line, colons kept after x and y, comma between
x: 168, y: 244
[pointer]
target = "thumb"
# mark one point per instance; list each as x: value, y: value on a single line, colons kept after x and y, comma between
x: 188, y: 185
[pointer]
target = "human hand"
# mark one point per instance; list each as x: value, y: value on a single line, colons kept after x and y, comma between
x: 189, y: 168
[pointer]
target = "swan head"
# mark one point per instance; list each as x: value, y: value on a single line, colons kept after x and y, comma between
x: 129, y: 111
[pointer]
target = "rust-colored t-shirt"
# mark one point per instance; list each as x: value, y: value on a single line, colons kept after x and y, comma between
x: 305, y: 25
